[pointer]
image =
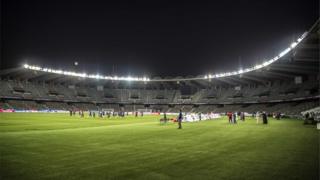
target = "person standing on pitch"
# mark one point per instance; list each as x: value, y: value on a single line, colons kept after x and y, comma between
x: 229, y: 114
x: 242, y: 117
x: 180, y: 117
x: 264, y: 118
x: 258, y: 117
x: 234, y: 118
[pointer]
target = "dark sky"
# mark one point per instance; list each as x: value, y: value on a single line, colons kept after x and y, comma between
x: 150, y: 37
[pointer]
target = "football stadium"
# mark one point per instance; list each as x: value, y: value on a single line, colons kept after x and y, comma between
x: 256, y: 122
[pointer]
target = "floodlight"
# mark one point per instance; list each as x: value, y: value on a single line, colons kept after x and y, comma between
x: 266, y: 63
x: 284, y: 52
x: 294, y: 44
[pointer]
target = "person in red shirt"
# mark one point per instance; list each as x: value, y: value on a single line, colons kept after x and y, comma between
x: 229, y: 114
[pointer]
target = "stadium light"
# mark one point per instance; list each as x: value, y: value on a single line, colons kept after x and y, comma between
x: 84, y: 75
x: 144, y: 79
x: 265, y: 63
x: 294, y: 44
x: 284, y: 52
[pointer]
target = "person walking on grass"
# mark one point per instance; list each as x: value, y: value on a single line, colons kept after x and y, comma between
x: 180, y: 117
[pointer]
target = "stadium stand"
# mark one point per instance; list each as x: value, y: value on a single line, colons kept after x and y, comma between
x: 289, y: 85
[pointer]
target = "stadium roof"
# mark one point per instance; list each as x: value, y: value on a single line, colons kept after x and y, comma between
x: 300, y: 59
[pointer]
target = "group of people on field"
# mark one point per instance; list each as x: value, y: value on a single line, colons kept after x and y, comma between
x: 73, y: 113
x: 107, y: 114
x: 261, y: 116
x: 233, y: 116
x: 137, y: 113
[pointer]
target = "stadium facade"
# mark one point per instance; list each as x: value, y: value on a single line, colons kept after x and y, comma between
x: 287, y: 83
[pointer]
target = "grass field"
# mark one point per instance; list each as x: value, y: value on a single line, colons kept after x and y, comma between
x: 56, y: 146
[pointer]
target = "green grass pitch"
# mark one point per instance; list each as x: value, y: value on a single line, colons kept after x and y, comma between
x: 56, y: 146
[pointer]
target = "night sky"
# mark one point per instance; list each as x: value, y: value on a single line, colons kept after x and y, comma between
x: 166, y: 38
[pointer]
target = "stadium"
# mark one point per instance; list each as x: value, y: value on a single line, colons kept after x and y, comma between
x: 255, y: 122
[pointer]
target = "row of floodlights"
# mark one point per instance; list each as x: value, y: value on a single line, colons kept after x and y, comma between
x: 145, y: 79
x: 84, y: 75
x: 264, y: 64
